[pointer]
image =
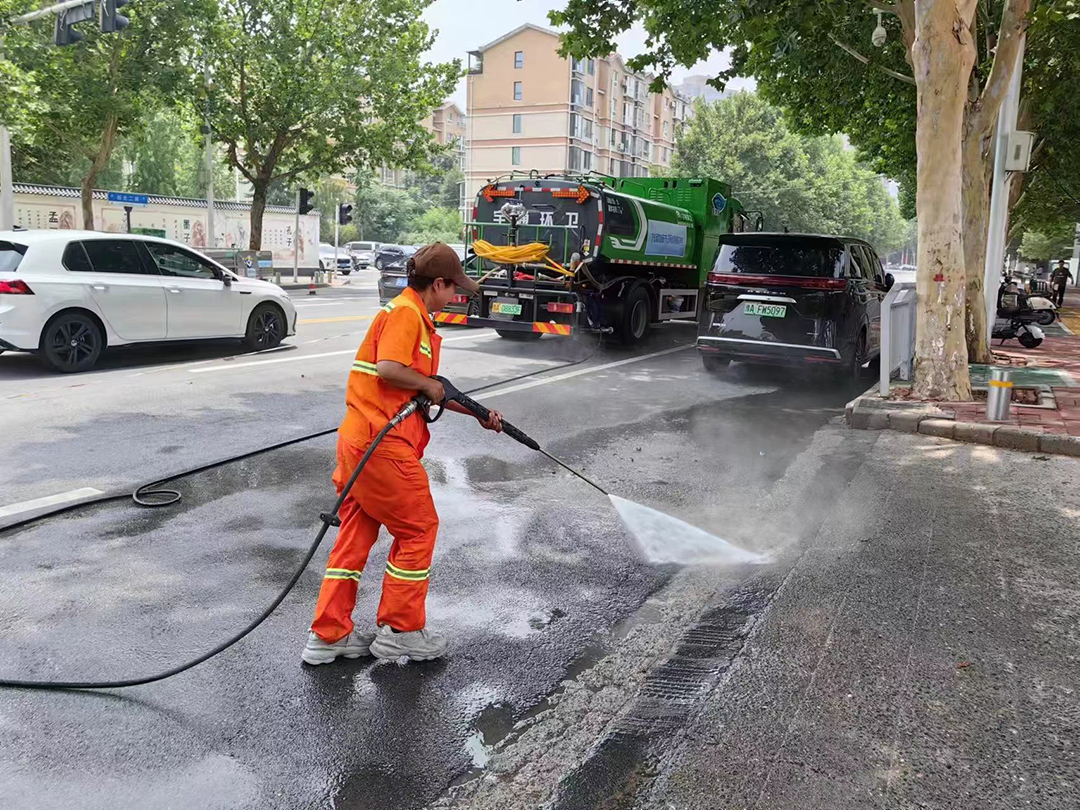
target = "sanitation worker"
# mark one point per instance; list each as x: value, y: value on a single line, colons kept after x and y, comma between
x: 396, y: 360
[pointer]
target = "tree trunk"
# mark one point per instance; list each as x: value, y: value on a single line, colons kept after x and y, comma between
x: 943, y: 55
x: 97, y: 165
x: 977, y: 171
x: 258, y: 207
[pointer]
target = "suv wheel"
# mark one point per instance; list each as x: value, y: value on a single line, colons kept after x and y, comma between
x: 71, y: 342
x: 266, y: 328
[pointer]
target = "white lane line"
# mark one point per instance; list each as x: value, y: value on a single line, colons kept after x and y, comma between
x: 48, y: 500
x: 469, y: 337
x: 591, y: 369
x: 232, y: 366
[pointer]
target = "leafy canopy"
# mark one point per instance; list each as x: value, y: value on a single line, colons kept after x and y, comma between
x: 803, y: 183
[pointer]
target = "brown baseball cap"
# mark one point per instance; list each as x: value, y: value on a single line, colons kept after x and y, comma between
x: 440, y: 261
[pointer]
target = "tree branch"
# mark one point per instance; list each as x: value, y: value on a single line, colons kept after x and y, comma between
x: 866, y: 61
x: 1013, y: 25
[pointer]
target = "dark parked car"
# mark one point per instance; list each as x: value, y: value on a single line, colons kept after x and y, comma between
x: 793, y: 299
x: 392, y: 273
x: 391, y: 254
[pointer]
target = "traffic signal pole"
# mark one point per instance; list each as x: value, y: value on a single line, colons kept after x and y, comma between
x: 337, y: 234
x: 296, y: 242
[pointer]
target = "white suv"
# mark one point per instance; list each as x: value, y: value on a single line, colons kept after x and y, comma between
x: 66, y: 295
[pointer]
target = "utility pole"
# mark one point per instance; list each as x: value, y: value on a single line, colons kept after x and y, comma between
x: 296, y: 240
x: 211, y: 240
x: 7, y: 190
x: 999, y: 194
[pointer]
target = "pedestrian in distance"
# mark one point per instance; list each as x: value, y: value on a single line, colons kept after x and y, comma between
x: 1059, y: 280
x: 397, y: 359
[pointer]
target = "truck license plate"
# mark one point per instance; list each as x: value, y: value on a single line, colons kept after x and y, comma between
x: 764, y: 310
x: 505, y: 309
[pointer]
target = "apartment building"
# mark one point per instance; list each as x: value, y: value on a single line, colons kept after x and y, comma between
x: 530, y: 109
x: 447, y: 124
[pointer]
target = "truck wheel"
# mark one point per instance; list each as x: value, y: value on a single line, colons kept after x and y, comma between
x: 634, y: 317
x: 521, y: 337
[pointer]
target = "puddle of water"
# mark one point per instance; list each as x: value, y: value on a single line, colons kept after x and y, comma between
x: 665, y: 539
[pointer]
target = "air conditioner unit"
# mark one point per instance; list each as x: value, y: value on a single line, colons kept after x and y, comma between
x: 1018, y: 158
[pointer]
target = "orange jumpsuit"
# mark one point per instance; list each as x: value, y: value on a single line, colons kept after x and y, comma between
x: 392, y: 490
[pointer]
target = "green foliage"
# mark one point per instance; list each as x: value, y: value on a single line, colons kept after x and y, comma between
x: 803, y: 183
x: 311, y: 87
x: 383, y: 214
x: 1051, y: 196
x: 439, y: 183
x: 168, y: 157
x: 1041, y: 246
x: 87, y: 97
x: 329, y: 193
x: 435, y: 225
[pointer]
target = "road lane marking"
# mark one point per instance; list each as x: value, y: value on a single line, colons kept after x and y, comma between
x: 559, y: 377
x: 338, y: 319
x: 232, y: 366
x: 49, y: 500
x: 485, y: 334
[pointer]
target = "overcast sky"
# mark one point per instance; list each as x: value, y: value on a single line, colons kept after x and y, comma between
x: 465, y: 25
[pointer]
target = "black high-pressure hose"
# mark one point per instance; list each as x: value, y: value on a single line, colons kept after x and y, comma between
x: 153, y: 495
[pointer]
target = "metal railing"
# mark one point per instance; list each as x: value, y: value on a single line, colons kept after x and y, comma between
x: 897, y: 334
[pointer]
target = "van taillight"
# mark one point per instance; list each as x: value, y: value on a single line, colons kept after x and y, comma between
x: 15, y: 287
x: 557, y: 307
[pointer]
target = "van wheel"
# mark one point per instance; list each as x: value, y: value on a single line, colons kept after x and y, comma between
x: 266, y: 328
x: 715, y: 364
x: 71, y: 342
x: 859, y: 355
x: 634, y: 317
x: 520, y: 337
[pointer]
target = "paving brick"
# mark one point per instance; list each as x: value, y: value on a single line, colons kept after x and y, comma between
x: 1017, y: 439
x: 1062, y: 445
x: 938, y: 427
x: 975, y: 432
x: 906, y: 421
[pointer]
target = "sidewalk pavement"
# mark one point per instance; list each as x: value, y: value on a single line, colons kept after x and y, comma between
x: 1052, y: 371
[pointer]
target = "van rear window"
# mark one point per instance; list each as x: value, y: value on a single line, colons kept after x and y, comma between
x: 10, y: 256
x: 786, y: 258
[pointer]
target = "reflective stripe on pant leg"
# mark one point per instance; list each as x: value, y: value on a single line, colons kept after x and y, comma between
x: 399, y: 497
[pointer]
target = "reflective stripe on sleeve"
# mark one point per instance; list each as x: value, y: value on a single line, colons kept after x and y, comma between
x: 365, y: 368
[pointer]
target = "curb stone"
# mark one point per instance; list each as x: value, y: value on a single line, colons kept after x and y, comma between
x: 862, y: 415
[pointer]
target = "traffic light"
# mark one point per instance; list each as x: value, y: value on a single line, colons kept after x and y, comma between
x: 110, y: 17
x: 344, y: 214
x: 304, y: 201
x: 64, y: 33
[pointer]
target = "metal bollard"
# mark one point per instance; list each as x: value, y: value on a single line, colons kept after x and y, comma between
x: 999, y: 397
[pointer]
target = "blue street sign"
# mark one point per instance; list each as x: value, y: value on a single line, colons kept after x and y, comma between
x: 128, y: 199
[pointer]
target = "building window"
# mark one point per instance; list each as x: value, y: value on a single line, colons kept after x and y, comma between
x: 591, y: 66
x: 588, y: 97
x: 515, y: 155
x: 517, y: 124
x: 577, y: 92
x: 577, y: 65
x: 519, y: 60
x: 580, y: 160
x: 666, y: 127
x: 517, y: 91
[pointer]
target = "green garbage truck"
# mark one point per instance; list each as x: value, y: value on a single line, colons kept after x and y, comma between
x: 561, y: 254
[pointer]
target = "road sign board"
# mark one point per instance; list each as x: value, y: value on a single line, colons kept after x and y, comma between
x: 128, y: 199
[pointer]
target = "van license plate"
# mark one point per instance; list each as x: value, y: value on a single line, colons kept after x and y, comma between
x: 765, y: 310
x: 505, y: 309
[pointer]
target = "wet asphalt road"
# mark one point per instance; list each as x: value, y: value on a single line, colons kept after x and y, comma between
x: 532, y: 571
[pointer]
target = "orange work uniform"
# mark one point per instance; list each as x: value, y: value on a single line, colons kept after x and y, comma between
x: 392, y: 490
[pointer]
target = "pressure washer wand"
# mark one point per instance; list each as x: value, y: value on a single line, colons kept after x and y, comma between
x: 515, y: 433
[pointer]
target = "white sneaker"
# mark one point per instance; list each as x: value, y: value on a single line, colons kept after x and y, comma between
x: 419, y: 645
x: 354, y: 645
